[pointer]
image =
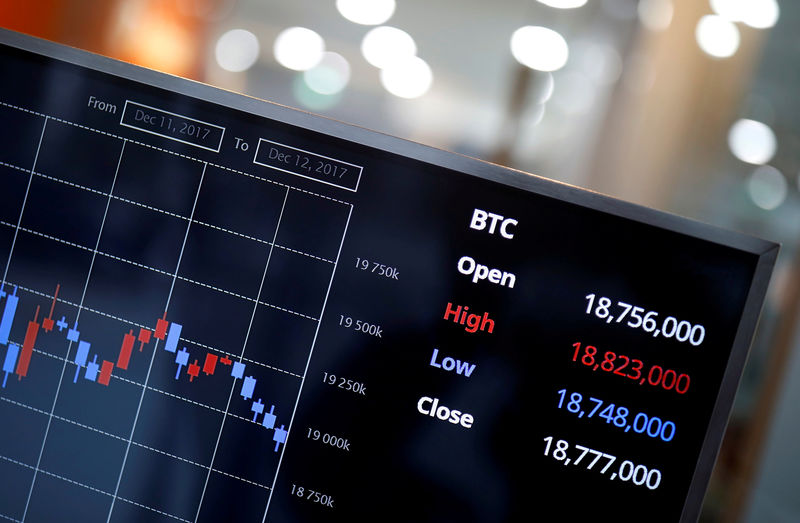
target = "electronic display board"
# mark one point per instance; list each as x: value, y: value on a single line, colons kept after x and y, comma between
x: 214, y: 308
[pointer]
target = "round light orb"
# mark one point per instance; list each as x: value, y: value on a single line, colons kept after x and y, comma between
x: 237, y: 50
x: 313, y: 100
x: 752, y: 141
x: 366, y: 12
x: 563, y: 4
x: 539, y: 48
x: 767, y: 187
x: 384, y: 46
x: 655, y: 15
x: 298, y: 48
x: 410, y: 77
x: 760, y: 14
x: 717, y: 36
x: 329, y: 76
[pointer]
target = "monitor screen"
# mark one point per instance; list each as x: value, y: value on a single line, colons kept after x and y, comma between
x: 218, y: 309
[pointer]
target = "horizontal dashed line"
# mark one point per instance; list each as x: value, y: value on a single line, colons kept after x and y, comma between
x: 172, y: 153
x: 165, y: 212
x: 158, y: 271
x: 89, y: 487
x: 153, y: 509
x: 154, y: 389
x: 120, y: 438
x: 128, y: 322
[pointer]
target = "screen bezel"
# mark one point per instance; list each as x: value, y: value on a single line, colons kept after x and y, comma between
x: 765, y: 250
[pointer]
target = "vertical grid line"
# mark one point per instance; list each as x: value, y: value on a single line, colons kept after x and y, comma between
x: 24, y: 201
x: 77, y: 316
x: 308, y: 362
x: 155, y: 346
x: 241, y: 355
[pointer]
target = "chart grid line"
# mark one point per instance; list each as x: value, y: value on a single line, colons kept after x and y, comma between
x: 41, y: 465
x: 89, y: 487
x: 61, y: 120
x: 241, y: 355
x: 308, y: 362
x: 155, y: 348
x: 77, y: 317
x: 165, y: 212
x: 159, y: 271
x: 137, y: 443
x: 128, y: 322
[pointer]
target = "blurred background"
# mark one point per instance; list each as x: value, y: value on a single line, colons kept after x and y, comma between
x: 688, y: 106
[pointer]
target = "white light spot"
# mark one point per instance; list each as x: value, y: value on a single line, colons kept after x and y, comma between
x: 329, y: 76
x: 760, y: 14
x: 407, y: 78
x: 237, y: 50
x: 717, y: 36
x: 298, y: 48
x: 539, y: 48
x: 656, y: 15
x: 767, y: 187
x: 563, y: 4
x: 383, y: 46
x: 366, y: 12
x: 752, y: 141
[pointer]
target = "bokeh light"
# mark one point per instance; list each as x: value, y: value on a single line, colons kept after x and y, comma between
x: 752, y: 141
x: 407, y: 78
x: 539, y: 48
x: 237, y: 50
x: 563, y: 4
x: 655, y: 15
x: 329, y: 76
x: 767, y: 187
x: 383, y: 46
x: 717, y: 36
x: 298, y: 48
x: 366, y: 12
x: 760, y: 14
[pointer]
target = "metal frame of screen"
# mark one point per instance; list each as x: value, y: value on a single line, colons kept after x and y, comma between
x: 767, y: 251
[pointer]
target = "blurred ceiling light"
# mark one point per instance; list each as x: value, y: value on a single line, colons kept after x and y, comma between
x: 329, y: 76
x: 760, y: 14
x: 298, y: 48
x: 655, y: 15
x: 313, y: 100
x: 539, y: 48
x: 563, y: 4
x: 410, y: 77
x: 237, y: 50
x: 767, y: 187
x: 383, y: 46
x: 717, y: 36
x: 752, y: 141
x: 366, y: 12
